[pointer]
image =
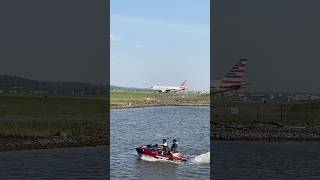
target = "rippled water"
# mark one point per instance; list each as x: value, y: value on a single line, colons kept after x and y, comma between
x: 60, y: 163
x: 265, y: 160
x: 131, y: 128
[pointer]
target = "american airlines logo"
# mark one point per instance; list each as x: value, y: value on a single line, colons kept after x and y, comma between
x: 232, y: 80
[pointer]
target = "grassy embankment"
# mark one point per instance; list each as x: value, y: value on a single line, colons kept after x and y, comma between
x: 266, y: 121
x: 143, y: 99
x: 30, y: 121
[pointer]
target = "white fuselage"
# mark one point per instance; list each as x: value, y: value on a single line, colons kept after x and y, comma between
x: 167, y: 88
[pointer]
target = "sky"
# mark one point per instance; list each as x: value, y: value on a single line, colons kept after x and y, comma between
x: 160, y: 42
x: 280, y: 39
x: 163, y: 42
x: 54, y: 40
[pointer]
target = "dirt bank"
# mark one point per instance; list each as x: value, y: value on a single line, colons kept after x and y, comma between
x: 264, y: 132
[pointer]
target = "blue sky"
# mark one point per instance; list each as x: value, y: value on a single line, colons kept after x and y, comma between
x: 160, y: 42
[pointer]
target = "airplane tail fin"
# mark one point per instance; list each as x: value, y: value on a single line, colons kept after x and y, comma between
x: 184, y: 83
x: 183, y: 86
x: 235, y: 75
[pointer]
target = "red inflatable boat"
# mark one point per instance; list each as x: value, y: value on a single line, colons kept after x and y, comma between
x: 155, y: 152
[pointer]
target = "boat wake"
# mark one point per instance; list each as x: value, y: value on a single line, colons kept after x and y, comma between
x: 202, y: 158
x: 152, y: 159
x: 149, y: 158
x: 199, y: 159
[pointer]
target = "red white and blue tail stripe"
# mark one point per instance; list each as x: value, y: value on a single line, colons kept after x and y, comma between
x: 234, y: 77
x: 183, y: 86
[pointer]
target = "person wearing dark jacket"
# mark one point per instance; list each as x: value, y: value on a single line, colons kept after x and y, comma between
x: 174, y: 147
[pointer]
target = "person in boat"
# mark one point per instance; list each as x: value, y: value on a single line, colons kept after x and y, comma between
x: 164, y: 146
x: 174, y: 147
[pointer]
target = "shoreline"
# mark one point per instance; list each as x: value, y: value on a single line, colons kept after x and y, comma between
x: 18, y: 144
x: 264, y: 133
x: 153, y: 105
x: 26, y: 133
x: 14, y: 144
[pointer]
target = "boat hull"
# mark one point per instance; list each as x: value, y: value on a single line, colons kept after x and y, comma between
x: 155, y: 152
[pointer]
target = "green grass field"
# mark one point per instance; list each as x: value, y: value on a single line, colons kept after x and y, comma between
x: 34, y: 128
x: 152, y: 98
x: 287, y: 113
x: 35, y: 117
x: 31, y: 105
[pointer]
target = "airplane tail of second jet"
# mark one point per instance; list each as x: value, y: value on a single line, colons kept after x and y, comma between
x: 235, y: 75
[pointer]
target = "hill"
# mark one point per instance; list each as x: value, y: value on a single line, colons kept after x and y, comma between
x: 17, y: 84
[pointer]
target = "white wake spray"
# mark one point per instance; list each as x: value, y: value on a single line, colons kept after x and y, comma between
x: 199, y: 159
x: 202, y: 158
x: 152, y: 159
x: 149, y: 158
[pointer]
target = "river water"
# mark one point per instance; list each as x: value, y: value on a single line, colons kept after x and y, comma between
x: 131, y: 128
x: 265, y: 160
x: 60, y: 163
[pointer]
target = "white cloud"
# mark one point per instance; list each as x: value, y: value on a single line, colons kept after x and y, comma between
x: 115, y: 39
x: 138, y: 46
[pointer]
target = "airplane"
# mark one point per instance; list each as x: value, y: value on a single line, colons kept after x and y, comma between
x: 232, y: 80
x: 181, y: 88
